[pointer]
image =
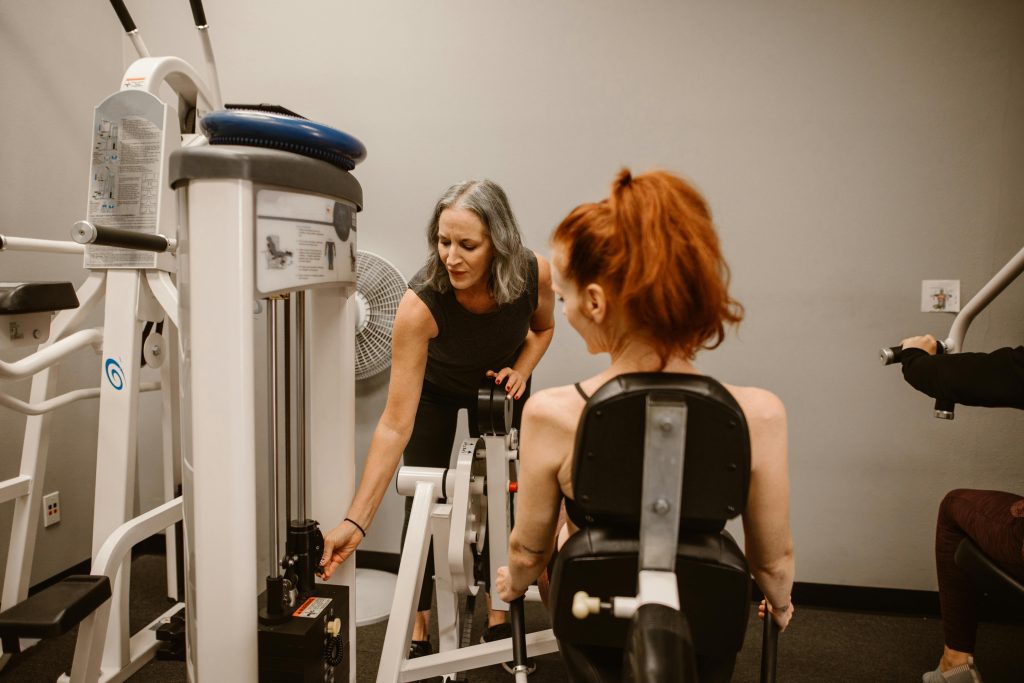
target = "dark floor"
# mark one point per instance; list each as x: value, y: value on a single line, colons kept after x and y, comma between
x: 821, y: 645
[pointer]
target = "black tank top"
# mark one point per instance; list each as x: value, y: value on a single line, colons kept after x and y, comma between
x: 469, y: 344
x: 571, y: 509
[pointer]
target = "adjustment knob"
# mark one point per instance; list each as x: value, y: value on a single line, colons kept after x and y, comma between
x: 583, y: 605
x: 333, y: 627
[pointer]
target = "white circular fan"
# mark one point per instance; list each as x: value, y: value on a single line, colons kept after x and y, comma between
x: 379, y: 288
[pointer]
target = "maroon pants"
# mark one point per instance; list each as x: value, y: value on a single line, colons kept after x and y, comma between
x: 995, y: 521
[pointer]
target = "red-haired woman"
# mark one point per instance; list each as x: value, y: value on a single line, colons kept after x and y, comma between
x: 642, y: 278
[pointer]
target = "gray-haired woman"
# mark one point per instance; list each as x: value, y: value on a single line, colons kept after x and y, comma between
x: 482, y: 305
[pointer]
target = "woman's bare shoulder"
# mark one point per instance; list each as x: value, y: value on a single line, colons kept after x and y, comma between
x: 556, y: 408
x: 759, y: 405
x: 414, y: 317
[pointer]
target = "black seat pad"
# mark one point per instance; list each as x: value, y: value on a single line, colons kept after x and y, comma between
x: 55, y: 610
x: 36, y: 297
x: 713, y: 580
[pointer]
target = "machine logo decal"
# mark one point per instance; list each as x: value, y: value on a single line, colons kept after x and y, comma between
x: 115, y: 375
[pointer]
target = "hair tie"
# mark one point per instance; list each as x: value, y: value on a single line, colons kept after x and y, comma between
x: 356, y: 525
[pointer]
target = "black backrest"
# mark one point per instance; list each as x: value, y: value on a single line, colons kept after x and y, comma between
x: 608, y: 458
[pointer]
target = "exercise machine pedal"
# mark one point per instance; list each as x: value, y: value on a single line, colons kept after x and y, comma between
x: 171, y: 636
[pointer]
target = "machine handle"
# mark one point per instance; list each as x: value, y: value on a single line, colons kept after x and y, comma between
x: 123, y: 15
x: 85, y: 232
x: 769, y: 648
x: 518, y: 619
x: 894, y: 354
x: 198, y: 13
x: 944, y: 410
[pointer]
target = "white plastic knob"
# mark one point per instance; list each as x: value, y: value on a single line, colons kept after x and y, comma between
x: 334, y: 627
x: 583, y: 605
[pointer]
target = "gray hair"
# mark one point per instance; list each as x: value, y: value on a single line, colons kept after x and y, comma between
x: 485, y: 198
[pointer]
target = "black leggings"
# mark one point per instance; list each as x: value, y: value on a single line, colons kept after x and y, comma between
x: 431, y: 443
x: 995, y: 521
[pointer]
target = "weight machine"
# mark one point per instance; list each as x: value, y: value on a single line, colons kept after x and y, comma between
x: 459, y: 510
x: 128, y: 239
x: 259, y: 203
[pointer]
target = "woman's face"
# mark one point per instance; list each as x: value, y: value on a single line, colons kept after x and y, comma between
x: 569, y: 296
x: 465, y: 248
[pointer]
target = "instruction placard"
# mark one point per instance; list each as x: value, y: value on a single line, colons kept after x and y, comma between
x: 303, y: 241
x: 125, y: 174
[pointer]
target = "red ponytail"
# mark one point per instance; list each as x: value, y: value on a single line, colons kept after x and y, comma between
x: 653, y: 246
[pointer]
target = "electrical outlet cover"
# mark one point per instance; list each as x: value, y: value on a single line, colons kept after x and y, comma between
x: 51, y: 508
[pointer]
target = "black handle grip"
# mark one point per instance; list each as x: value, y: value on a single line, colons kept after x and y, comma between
x: 945, y: 410
x: 197, y: 12
x: 769, y: 649
x: 894, y: 354
x: 518, y: 619
x: 123, y: 15
x: 125, y: 239
x: 891, y: 355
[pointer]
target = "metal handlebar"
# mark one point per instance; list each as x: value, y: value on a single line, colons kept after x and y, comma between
x: 894, y: 354
x: 198, y: 13
x: 769, y: 648
x: 85, y: 232
x: 123, y: 15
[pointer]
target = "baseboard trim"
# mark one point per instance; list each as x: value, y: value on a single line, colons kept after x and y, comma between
x: 864, y: 598
x: 372, y: 559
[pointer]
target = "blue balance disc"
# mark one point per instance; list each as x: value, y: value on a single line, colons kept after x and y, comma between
x: 280, y: 131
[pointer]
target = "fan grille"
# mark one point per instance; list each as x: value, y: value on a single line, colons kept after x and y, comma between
x: 381, y: 287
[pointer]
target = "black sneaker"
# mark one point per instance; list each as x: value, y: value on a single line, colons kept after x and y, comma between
x: 420, y: 648
x: 500, y: 632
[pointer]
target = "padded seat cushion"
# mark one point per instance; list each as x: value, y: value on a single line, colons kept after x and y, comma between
x: 714, y: 588
x: 56, y: 609
x: 609, y: 451
x: 36, y: 297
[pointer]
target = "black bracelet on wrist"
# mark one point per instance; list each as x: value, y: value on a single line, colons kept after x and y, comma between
x: 356, y: 525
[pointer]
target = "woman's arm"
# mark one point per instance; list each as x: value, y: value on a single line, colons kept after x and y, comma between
x: 542, y: 328
x: 769, y: 543
x: 414, y: 327
x: 990, y: 380
x: 539, y: 497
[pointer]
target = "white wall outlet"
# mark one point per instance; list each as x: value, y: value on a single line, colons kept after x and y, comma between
x: 940, y: 296
x: 51, y: 508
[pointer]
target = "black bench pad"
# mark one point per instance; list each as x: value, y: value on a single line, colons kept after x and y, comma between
x: 55, y: 610
x: 36, y: 297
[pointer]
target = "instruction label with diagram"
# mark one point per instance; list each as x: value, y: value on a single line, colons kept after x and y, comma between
x: 303, y: 241
x: 126, y: 174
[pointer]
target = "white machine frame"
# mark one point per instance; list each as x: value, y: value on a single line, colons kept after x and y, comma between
x: 453, y: 526
x: 225, y: 262
x: 132, y: 296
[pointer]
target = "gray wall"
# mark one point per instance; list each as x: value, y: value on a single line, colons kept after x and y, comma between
x: 848, y: 149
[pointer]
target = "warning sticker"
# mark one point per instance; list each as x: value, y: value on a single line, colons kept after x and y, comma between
x: 312, y: 608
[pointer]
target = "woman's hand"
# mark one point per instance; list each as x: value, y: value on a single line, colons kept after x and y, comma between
x: 515, y: 383
x: 925, y: 343
x: 781, y: 617
x: 339, y: 543
x: 503, y: 582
